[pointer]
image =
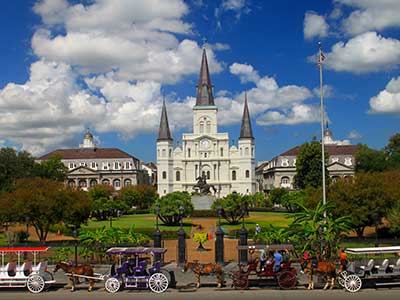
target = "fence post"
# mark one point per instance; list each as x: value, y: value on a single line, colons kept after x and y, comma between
x: 243, y: 242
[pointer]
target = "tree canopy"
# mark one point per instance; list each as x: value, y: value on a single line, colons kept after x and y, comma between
x: 369, y: 160
x: 52, y: 168
x: 233, y: 206
x: 140, y: 196
x: 309, y: 166
x: 169, y: 207
x: 392, y: 151
x: 45, y: 203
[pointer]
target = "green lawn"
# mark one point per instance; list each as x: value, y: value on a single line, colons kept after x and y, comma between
x: 146, y: 223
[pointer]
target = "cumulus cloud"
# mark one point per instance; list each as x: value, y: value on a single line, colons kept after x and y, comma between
x: 388, y: 100
x: 315, y: 26
x: 235, y: 5
x: 368, y: 52
x: 326, y: 89
x: 298, y: 113
x: 370, y: 15
x: 245, y: 72
x: 354, y: 135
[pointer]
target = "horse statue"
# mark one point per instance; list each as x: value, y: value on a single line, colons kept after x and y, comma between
x: 203, y: 186
x: 85, y: 270
x: 325, y: 268
x: 205, y: 270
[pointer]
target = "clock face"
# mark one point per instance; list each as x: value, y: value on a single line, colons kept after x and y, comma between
x: 205, y: 143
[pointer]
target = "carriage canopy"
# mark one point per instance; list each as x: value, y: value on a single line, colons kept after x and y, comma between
x: 373, y: 250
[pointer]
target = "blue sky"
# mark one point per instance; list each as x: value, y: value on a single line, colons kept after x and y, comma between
x: 69, y: 65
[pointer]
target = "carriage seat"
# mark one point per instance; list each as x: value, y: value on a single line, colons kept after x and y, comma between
x: 368, y: 267
x: 10, y: 268
x: 140, y: 269
x: 155, y: 267
x: 41, y: 267
x: 124, y: 269
x: 395, y: 268
x: 26, y: 268
x: 382, y: 268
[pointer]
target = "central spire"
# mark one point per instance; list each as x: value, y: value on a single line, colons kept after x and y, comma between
x: 205, y: 95
x: 245, y: 131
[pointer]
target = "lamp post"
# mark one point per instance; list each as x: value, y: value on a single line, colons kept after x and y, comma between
x: 243, y: 239
x: 75, y: 234
x: 157, y: 235
x: 181, y: 239
x: 27, y: 228
x: 219, y: 241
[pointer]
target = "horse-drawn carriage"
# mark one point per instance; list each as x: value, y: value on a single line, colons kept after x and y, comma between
x: 29, y: 274
x: 133, y: 272
x: 284, y: 276
x: 378, y: 266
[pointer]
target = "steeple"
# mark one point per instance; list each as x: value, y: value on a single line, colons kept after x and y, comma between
x: 245, y: 131
x: 205, y: 95
x: 163, y: 132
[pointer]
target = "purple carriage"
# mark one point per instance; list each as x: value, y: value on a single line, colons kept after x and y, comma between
x: 133, y: 273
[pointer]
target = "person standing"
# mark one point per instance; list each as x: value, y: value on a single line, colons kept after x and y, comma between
x: 258, y: 229
x: 278, y: 261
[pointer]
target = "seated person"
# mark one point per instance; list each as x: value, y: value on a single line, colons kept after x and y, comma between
x: 343, y: 260
x: 285, y: 256
x: 263, y: 259
x: 277, y: 261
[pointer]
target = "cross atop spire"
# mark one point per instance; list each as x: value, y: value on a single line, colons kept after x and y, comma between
x: 245, y: 131
x: 163, y: 132
x: 205, y: 95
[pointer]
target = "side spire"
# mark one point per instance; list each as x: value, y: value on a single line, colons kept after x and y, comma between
x: 205, y: 95
x: 245, y: 131
x: 163, y: 132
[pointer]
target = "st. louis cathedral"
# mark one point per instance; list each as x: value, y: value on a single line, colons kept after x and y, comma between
x: 206, y: 152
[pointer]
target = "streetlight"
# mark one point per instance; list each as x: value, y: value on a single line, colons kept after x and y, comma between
x: 219, y: 212
x: 75, y: 234
x: 243, y: 214
x: 157, y: 212
x: 27, y: 228
x: 181, y: 212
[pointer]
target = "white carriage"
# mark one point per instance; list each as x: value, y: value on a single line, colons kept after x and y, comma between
x: 30, y: 274
x: 377, y: 267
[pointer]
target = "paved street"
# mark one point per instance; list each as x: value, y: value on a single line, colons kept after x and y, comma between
x: 204, y: 293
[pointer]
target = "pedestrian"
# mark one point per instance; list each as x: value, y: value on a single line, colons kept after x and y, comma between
x: 258, y: 229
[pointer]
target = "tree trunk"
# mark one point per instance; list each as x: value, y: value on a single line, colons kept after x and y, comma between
x: 360, y: 231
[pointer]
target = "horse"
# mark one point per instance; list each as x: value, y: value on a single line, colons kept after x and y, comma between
x: 85, y: 270
x: 326, y: 268
x: 205, y: 269
x: 203, y: 186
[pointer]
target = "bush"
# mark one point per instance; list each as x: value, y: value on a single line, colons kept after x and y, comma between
x: 207, y: 213
x: 169, y: 207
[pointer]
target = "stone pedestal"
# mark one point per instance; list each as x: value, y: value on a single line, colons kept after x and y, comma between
x: 203, y: 202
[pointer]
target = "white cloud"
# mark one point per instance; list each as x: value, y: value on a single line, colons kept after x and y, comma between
x: 327, y: 91
x: 354, y: 135
x: 368, y: 52
x: 315, y: 26
x: 371, y: 15
x: 245, y: 72
x: 235, y: 5
x: 298, y: 113
x: 388, y: 100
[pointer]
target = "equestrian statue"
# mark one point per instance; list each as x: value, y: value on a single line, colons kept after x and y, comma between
x: 203, y: 186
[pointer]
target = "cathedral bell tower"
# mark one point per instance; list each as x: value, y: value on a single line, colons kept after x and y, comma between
x: 164, y: 155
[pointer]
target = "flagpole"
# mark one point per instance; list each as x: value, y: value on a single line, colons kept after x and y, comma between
x: 320, y: 59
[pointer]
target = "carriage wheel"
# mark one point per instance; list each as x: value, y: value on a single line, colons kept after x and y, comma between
x: 158, y: 283
x: 112, y: 285
x: 287, y: 280
x: 35, y: 283
x: 352, y: 283
x: 240, y: 280
x: 341, y: 279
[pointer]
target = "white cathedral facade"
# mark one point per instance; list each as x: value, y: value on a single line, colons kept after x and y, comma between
x: 206, y: 152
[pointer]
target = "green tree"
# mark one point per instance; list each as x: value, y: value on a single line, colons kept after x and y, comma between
x: 369, y: 160
x: 14, y: 165
x: 104, y: 205
x: 52, y: 168
x: 45, y: 202
x: 367, y: 198
x: 169, y: 207
x: 309, y: 166
x: 234, y: 206
x: 273, y: 235
x: 392, y: 151
x: 140, y: 196
x: 291, y: 199
x: 276, y: 195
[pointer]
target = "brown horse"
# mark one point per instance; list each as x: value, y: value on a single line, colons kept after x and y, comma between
x: 85, y: 270
x: 325, y: 268
x: 205, y: 269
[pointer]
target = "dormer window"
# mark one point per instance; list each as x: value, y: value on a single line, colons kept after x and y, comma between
x: 347, y: 161
x: 285, y: 162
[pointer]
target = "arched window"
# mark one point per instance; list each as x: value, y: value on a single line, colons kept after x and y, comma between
x: 170, y: 152
x: 82, y: 183
x: 164, y: 152
x: 117, y: 183
x: 246, y: 151
x: 178, y: 176
x: 208, y: 127
x: 285, y: 182
x: 127, y: 182
x: 221, y: 151
x: 93, y: 182
x: 233, y: 175
x: 208, y: 174
x: 71, y: 183
x: 247, y: 173
x: 105, y: 181
x: 188, y: 152
x: 164, y: 175
x: 201, y: 127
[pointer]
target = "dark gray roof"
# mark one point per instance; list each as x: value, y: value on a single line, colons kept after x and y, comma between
x: 163, y: 133
x: 245, y: 131
x: 205, y: 95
